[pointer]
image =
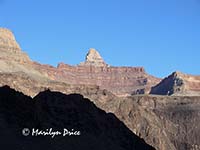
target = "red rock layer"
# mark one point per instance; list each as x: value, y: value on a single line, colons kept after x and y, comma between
x: 121, y: 81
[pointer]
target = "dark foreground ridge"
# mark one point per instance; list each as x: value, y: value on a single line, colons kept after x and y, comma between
x: 99, y: 130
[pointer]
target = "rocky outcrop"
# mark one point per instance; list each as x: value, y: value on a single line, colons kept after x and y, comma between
x: 14, y: 60
x: 178, y: 84
x: 93, y: 58
x: 91, y: 126
x: 7, y: 40
x: 10, y: 49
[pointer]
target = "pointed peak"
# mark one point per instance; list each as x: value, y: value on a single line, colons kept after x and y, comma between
x: 92, y: 50
x: 10, y: 49
x: 7, y: 39
x: 93, y: 55
x: 178, y: 74
x: 93, y: 58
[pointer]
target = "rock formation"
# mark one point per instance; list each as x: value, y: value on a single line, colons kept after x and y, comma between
x: 13, y: 59
x: 94, y: 71
x: 7, y: 40
x: 93, y: 58
x: 122, y: 81
x: 10, y: 49
x: 178, y: 84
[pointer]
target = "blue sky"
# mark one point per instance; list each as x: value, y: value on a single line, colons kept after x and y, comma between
x: 160, y: 35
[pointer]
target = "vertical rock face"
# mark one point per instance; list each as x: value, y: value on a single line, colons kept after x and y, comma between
x: 7, y: 40
x: 12, y: 58
x: 10, y: 49
x: 93, y: 58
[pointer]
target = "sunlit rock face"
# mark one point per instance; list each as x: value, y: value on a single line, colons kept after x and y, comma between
x: 7, y: 40
x: 10, y: 49
x: 93, y: 58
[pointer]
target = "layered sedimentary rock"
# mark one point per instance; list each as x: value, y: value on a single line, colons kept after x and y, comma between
x: 13, y: 59
x: 178, y: 84
x: 9, y: 48
x: 121, y: 81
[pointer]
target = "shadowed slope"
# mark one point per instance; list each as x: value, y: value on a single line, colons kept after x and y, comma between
x: 99, y: 130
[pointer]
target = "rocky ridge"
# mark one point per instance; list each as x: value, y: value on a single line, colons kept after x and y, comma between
x: 178, y: 84
x: 94, y: 127
x: 94, y: 71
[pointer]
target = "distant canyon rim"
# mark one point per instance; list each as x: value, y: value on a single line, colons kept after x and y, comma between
x: 95, y: 71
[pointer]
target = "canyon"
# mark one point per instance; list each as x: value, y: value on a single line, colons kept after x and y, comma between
x: 163, y: 112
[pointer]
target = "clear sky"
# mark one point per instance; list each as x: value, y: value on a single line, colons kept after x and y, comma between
x: 160, y: 35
